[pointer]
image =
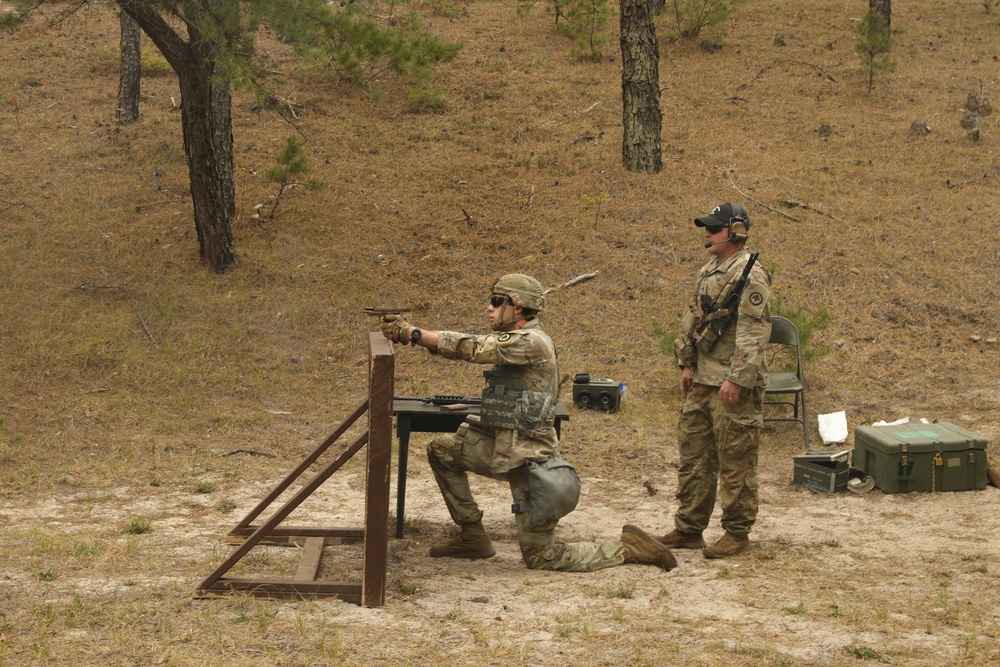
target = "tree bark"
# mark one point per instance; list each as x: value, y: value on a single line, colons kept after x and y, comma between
x: 130, y: 72
x: 641, y: 114
x: 206, y: 117
x: 884, y: 9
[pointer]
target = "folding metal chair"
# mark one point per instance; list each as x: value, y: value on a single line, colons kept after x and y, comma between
x: 785, y: 383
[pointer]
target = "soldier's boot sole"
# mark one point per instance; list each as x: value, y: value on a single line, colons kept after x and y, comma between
x: 640, y: 547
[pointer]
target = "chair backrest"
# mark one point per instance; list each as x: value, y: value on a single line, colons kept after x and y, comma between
x: 783, y: 332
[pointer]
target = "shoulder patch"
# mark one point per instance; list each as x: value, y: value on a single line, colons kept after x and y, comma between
x: 754, y: 300
x: 508, y: 338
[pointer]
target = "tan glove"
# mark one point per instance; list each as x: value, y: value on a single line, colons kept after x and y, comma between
x: 396, y: 329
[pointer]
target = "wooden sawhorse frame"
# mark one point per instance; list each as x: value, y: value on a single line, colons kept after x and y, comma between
x: 370, y: 592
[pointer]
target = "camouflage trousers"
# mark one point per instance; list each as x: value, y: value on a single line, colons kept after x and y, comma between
x: 470, y: 449
x: 718, y: 445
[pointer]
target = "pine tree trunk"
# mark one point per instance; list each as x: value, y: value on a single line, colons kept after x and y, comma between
x: 131, y: 70
x: 206, y: 115
x: 884, y: 9
x: 641, y: 114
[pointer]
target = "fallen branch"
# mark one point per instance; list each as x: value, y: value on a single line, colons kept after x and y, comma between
x: 252, y: 452
x: 773, y: 210
x: 145, y: 328
x: 763, y: 70
x: 4, y: 204
x: 791, y: 203
x: 950, y: 184
x: 569, y: 283
x: 819, y: 67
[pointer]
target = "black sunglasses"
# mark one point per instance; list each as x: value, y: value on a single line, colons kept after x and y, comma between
x: 497, y: 300
x: 714, y: 230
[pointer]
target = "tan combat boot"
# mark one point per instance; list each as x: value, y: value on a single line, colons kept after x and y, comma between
x: 642, y: 548
x: 472, y: 542
x: 728, y: 545
x: 675, y: 539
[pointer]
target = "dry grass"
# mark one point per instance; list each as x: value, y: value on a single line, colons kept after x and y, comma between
x: 126, y: 369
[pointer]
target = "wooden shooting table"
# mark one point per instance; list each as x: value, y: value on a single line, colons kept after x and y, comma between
x: 418, y: 415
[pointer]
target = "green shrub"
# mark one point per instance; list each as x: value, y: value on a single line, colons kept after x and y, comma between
x: 586, y: 24
x: 687, y: 18
x: 807, y: 323
x: 874, y: 44
x: 290, y: 165
x: 107, y: 60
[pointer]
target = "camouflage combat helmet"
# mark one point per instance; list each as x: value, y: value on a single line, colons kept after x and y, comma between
x: 523, y: 291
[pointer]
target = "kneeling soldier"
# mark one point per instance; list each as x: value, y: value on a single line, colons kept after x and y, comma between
x: 514, y: 438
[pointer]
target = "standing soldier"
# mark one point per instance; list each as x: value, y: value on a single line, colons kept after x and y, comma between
x: 720, y: 351
x: 516, y: 431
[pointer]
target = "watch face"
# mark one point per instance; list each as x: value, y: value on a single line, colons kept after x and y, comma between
x: 415, y: 334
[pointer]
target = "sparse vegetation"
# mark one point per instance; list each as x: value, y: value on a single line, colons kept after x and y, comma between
x: 292, y: 165
x: 139, y: 525
x: 874, y: 44
x: 687, y: 18
x: 202, y: 486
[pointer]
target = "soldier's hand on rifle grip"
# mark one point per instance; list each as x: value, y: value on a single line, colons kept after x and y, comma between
x: 396, y: 329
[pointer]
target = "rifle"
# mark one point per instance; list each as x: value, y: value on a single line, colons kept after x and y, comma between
x: 442, y: 399
x: 733, y: 300
x: 716, y: 321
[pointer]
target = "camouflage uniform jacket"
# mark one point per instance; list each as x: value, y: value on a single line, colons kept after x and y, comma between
x: 738, y: 354
x: 528, y: 350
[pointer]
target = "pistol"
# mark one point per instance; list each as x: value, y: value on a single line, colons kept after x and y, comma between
x: 385, y: 310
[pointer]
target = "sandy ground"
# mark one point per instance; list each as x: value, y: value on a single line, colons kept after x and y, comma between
x: 910, y: 577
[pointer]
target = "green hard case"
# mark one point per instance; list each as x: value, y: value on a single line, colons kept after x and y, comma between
x: 921, y: 457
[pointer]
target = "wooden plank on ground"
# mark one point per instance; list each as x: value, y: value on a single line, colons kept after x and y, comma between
x: 312, y: 553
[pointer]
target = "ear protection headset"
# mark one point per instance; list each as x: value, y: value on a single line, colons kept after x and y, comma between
x: 738, y: 224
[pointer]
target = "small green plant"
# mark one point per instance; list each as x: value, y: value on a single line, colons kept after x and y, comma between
x: 139, y: 525
x: 583, y: 21
x: 203, y: 487
x: 624, y: 590
x: 863, y: 653
x: 48, y: 575
x: 257, y: 558
x: 427, y: 101
x: 665, y: 338
x: 226, y: 505
x: 874, y: 44
x: 254, y: 613
x: 407, y: 588
x: 88, y: 549
x: 586, y: 24
x: 690, y: 17
x: 292, y: 164
x: 797, y: 610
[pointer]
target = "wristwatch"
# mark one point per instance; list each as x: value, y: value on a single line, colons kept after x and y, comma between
x: 415, y: 335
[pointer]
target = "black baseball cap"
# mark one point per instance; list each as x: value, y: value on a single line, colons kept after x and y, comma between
x: 722, y: 216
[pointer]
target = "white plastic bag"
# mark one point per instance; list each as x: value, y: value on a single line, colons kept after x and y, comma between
x: 833, y: 427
